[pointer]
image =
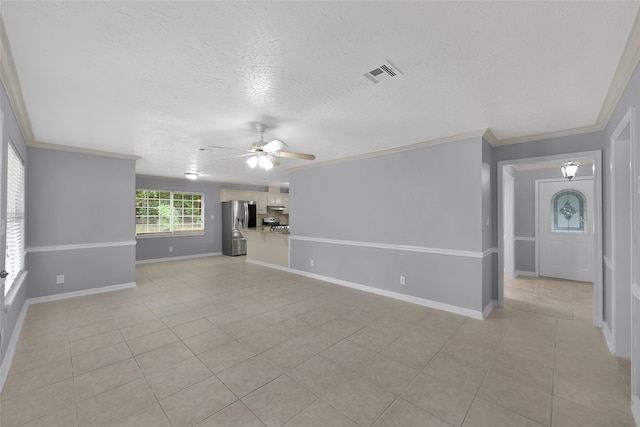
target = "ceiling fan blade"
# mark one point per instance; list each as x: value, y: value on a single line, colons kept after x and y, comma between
x: 295, y: 155
x: 224, y: 148
x: 273, y: 160
x: 239, y: 155
x: 274, y: 146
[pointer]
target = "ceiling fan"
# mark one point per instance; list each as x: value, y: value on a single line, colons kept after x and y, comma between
x: 264, y: 154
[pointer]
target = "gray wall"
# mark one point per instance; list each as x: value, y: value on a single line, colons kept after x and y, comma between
x: 409, y: 198
x: 405, y: 198
x: 9, y: 318
x: 78, y: 199
x: 150, y: 248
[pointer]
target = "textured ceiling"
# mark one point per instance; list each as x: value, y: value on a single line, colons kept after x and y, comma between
x: 160, y: 79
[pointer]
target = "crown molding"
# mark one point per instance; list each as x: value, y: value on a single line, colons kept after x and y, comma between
x: 80, y: 150
x: 9, y: 76
x: 453, y: 138
x: 548, y: 135
x: 629, y: 60
x: 11, y: 81
x: 490, y: 137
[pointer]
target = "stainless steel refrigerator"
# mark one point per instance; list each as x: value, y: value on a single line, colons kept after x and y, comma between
x: 237, y: 215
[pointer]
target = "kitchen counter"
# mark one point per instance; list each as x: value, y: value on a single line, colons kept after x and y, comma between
x: 266, y: 246
x: 266, y: 230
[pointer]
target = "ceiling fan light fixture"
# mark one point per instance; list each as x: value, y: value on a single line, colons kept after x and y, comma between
x: 569, y: 169
x: 265, y: 163
x: 191, y: 175
x: 253, y: 161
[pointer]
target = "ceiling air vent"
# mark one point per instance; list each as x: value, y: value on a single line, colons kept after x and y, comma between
x: 383, y: 72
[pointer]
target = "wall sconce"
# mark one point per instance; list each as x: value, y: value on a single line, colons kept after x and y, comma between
x: 569, y: 169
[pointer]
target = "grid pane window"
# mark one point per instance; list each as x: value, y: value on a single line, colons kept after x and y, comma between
x: 162, y: 212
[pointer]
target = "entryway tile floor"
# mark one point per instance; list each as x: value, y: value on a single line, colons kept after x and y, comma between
x: 219, y: 342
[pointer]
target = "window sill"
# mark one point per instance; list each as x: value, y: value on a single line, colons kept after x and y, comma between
x: 11, y: 295
x: 155, y: 236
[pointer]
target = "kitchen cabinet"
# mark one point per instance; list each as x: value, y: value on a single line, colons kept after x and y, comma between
x: 262, y: 202
x: 226, y: 195
x: 275, y: 199
x: 261, y: 198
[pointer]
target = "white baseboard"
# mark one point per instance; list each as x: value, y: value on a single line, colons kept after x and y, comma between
x: 403, y: 297
x: 635, y: 409
x: 82, y: 293
x: 526, y: 273
x: 11, y: 349
x: 608, y: 336
x: 6, y: 363
x: 489, y: 308
x: 266, y: 264
x: 177, y: 258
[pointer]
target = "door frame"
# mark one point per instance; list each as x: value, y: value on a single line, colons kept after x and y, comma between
x: 596, y: 157
x: 614, y: 144
x: 634, y: 314
x: 509, y: 224
x: 2, y: 241
x: 537, y: 211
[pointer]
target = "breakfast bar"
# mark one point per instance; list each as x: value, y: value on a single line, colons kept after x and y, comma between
x: 267, y: 247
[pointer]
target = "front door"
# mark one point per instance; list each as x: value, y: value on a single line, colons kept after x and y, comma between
x: 565, y: 229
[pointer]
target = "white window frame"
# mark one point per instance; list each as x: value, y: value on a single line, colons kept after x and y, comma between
x: 172, y: 231
x: 15, y: 253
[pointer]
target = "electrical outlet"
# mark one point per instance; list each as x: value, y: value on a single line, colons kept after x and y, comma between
x: 170, y: 248
x: 311, y: 263
x: 403, y: 280
x: 60, y: 279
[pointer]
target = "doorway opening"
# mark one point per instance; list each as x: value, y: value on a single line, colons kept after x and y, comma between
x: 520, y: 281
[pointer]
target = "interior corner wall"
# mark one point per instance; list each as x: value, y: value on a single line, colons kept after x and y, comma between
x: 79, y: 222
x: 160, y: 248
x: 10, y: 131
x: 150, y: 248
x: 369, y: 221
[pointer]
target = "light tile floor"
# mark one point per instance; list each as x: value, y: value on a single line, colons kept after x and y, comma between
x: 218, y: 342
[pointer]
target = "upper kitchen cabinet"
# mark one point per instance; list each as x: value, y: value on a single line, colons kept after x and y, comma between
x: 226, y: 195
x: 279, y: 199
x: 276, y: 199
x: 262, y: 201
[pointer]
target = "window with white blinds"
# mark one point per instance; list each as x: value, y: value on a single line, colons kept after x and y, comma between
x: 14, y: 263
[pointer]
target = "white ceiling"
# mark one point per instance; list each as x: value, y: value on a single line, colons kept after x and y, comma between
x: 160, y: 79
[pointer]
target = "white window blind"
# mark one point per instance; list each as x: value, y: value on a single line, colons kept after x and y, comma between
x: 14, y: 263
